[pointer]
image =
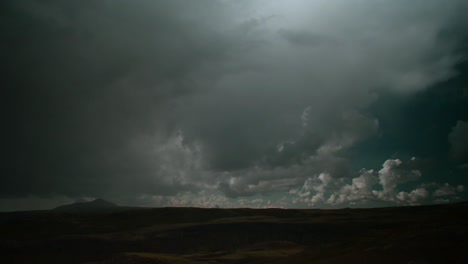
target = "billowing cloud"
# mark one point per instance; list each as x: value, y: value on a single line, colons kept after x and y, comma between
x: 413, y: 197
x: 384, y: 185
x: 393, y: 173
x: 448, y: 190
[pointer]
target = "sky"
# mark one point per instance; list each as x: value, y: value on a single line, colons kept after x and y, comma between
x: 249, y: 103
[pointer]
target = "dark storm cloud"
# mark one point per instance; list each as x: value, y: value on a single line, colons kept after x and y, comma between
x: 83, y: 79
x: 304, y: 38
x: 458, y: 139
x: 122, y: 98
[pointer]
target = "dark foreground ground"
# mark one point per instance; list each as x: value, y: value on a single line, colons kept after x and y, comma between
x: 423, y: 234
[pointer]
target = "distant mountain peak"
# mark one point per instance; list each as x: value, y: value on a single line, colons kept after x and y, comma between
x: 91, y: 206
x: 100, y: 201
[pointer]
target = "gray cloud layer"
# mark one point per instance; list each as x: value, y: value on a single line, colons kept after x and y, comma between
x: 122, y: 98
x: 458, y: 139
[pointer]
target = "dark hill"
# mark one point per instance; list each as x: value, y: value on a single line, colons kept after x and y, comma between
x: 97, y: 205
x: 101, y: 232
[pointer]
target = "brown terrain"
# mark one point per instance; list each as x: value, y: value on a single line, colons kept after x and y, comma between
x: 101, y: 232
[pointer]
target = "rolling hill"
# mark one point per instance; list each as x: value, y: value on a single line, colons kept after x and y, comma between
x: 101, y: 232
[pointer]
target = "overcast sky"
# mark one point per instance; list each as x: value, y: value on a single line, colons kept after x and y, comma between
x: 251, y: 103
